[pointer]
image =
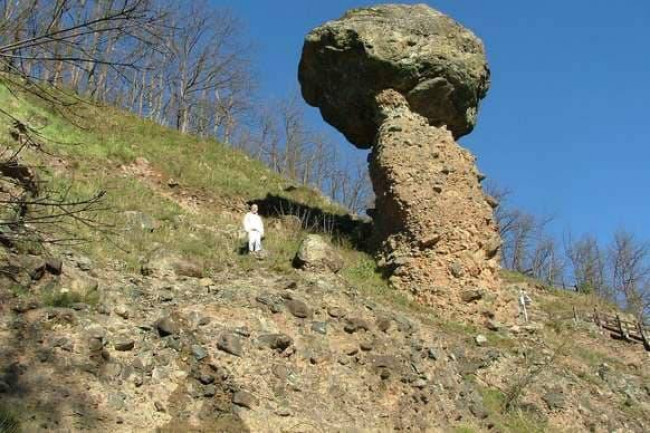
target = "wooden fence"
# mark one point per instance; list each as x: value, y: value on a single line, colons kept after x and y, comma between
x: 632, y: 332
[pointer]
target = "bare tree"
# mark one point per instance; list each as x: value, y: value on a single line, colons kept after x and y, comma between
x: 546, y: 262
x: 587, y: 265
x: 207, y: 69
x: 630, y: 270
x: 42, y: 44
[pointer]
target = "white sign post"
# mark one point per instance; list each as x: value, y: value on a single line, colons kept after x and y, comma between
x: 524, y: 301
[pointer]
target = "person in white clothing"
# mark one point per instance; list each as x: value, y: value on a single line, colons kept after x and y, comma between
x: 255, y: 228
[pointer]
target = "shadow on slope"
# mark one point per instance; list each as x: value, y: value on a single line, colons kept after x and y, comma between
x: 39, y: 386
x: 342, y: 227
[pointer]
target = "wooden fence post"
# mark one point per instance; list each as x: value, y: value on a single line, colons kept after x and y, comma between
x: 621, y: 329
x: 644, y: 337
x: 597, y: 320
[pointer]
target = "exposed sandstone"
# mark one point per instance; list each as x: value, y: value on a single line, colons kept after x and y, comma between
x: 436, y: 227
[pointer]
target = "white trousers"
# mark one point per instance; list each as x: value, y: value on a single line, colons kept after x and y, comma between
x: 254, y: 241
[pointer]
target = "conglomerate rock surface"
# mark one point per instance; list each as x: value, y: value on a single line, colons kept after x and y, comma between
x: 436, y: 225
x: 407, y: 81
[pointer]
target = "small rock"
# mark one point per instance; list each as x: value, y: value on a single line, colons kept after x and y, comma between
x: 471, y: 295
x: 493, y: 325
x: 103, y: 309
x: 336, y: 312
x: 480, y: 340
x: 116, y: 401
x: 167, y: 296
x: 383, y: 324
x: 279, y: 342
x: 367, y: 345
x: 166, y: 326
x: 456, y: 270
x: 350, y: 349
x: 206, y: 282
x: 315, y: 254
x: 112, y: 370
x: 96, y: 331
x: 206, y: 379
x: 159, y: 406
x: 54, y: 266
x: 199, y: 352
x: 244, y: 399
x: 319, y: 358
x: 554, y: 400
x: 231, y: 344
x: 432, y: 354
x: 243, y: 331
x: 143, y: 363
x: 283, y: 411
x: 356, y: 324
x: 270, y: 301
x: 59, y: 342
x: 84, y: 263
x: 210, y: 391
x: 319, y: 327
x: 37, y: 272
x: 124, y: 344
x: 419, y: 383
x: 95, y: 344
x: 280, y: 371
x: 122, y: 311
x: 298, y: 308
x: 27, y: 305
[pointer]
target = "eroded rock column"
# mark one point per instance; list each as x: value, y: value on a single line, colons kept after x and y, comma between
x: 433, y: 222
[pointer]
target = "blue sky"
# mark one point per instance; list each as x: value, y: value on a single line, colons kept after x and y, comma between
x: 565, y: 124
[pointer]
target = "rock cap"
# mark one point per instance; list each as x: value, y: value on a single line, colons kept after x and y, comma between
x: 437, y: 64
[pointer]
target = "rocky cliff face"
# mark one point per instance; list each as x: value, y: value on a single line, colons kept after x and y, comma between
x: 407, y: 81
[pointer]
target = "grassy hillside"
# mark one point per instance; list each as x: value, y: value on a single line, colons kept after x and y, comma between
x: 193, y: 191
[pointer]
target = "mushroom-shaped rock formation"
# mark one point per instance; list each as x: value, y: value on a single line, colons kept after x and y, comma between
x: 437, y: 65
x: 406, y: 81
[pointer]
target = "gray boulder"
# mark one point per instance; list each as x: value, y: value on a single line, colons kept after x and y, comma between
x: 315, y: 254
x: 434, y: 62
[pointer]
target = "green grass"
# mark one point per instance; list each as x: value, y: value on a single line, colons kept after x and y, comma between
x: 54, y: 296
x: 513, y: 421
x: 9, y: 421
x: 515, y: 277
x: 465, y: 429
x: 361, y: 273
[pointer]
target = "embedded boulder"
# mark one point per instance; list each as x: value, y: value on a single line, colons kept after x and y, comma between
x: 315, y: 254
x: 438, y: 65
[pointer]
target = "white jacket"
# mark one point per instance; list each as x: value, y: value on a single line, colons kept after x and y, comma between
x: 253, y: 222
